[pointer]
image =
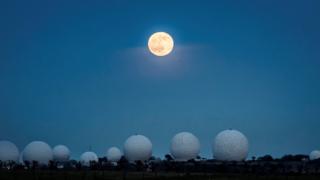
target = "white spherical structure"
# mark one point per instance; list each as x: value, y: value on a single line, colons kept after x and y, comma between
x: 314, y: 155
x: 8, y: 152
x: 88, y: 157
x: 38, y: 151
x: 137, y: 148
x: 61, y: 153
x: 230, y: 145
x: 184, y: 146
x: 114, y: 154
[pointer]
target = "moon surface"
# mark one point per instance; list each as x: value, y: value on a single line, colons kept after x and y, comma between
x: 160, y: 44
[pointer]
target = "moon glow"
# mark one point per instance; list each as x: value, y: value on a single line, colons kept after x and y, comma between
x: 160, y: 44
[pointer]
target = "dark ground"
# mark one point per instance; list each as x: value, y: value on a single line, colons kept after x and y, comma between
x: 112, y: 175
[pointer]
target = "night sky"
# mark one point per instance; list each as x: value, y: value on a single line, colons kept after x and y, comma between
x: 79, y: 73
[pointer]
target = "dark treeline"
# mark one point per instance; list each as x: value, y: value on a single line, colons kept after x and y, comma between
x: 288, y: 164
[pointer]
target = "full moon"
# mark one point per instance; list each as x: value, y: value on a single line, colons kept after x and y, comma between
x: 160, y: 44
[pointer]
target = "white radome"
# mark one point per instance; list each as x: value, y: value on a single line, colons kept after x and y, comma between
x: 114, y: 154
x: 230, y: 145
x: 38, y: 151
x: 61, y: 153
x: 8, y: 152
x: 314, y: 155
x: 88, y: 157
x: 137, y: 148
x: 184, y: 146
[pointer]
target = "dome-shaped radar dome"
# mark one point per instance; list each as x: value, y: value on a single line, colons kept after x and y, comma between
x: 38, y: 151
x: 61, y: 153
x: 88, y: 157
x: 230, y: 145
x: 8, y: 152
x: 184, y: 146
x: 137, y: 148
x: 314, y: 155
x: 114, y: 154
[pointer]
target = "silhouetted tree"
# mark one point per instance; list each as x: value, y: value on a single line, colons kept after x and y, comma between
x: 253, y: 158
x: 52, y: 165
x: 103, y: 162
x: 78, y: 165
x: 35, y: 164
x: 298, y: 157
x: 139, y: 165
x: 27, y: 164
x: 168, y: 157
x: 152, y: 158
x: 94, y: 165
x: 265, y: 158
x: 123, y: 164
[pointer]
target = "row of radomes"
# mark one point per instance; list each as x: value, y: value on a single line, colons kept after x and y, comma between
x: 229, y: 145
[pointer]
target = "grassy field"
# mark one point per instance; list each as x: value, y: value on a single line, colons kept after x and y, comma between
x: 107, y: 175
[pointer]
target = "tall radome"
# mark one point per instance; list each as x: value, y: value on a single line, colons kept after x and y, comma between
x: 230, y: 145
x: 114, y: 154
x: 38, y: 151
x: 184, y: 146
x: 8, y: 152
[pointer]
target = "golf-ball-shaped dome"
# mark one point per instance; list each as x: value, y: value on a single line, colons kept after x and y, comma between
x: 230, y: 145
x: 61, y: 153
x: 314, y: 155
x: 38, y: 151
x: 8, y: 152
x: 114, y: 154
x: 137, y: 148
x: 88, y: 157
x: 184, y: 146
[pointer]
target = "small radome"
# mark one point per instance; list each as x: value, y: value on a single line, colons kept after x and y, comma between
x: 61, y: 153
x: 314, y: 155
x: 87, y: 157
x: 114, y: 154
x: 137, y: 148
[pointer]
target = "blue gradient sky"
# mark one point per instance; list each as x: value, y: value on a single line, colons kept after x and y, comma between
x: 78, y: 73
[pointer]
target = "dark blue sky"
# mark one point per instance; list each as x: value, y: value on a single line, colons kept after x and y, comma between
x: 79, y: 73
